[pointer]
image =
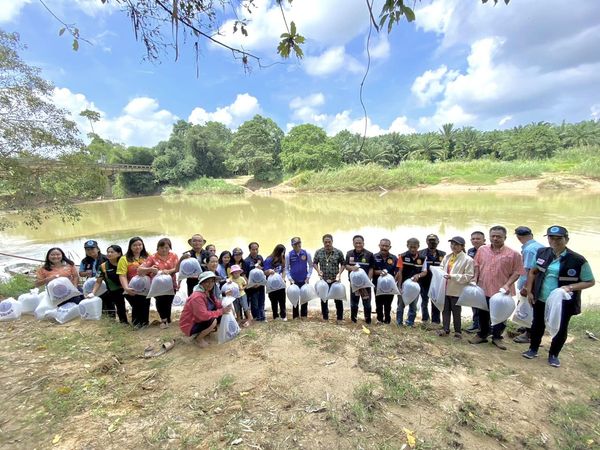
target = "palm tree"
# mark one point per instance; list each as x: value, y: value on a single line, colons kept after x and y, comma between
x: 448, y: 134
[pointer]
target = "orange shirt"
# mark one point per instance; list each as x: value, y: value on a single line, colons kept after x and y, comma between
x: 66, y: 270
x: 495, y: 267
x: 168, y: 263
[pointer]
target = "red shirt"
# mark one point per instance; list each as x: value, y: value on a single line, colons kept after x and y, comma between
x: 495, y: 267
x: 196, y: 310
x: 168, y: 263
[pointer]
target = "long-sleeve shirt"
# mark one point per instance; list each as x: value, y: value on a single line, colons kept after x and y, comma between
x: 200, y: 307
x: 299, y: 265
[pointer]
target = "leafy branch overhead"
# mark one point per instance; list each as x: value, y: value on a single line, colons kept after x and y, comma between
x: 291, y: 41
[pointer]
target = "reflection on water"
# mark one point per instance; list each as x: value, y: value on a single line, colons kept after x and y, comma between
x: 229, y: 221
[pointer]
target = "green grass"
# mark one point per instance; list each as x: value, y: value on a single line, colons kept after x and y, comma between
x: 588, y: 320
x: 204, y: 185
x: 400, y: 385
x: 15, y: 286
x: 364, y: 405
x: 578, y: 423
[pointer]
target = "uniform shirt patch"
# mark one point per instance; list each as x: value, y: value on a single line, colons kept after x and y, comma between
x: 571, y: 272
x: 540, y: 261
x: 407, y: 259
x: 390, y: 261
x: 303, y: 257
x: 419, y: 261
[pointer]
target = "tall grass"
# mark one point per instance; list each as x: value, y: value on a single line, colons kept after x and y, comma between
x: 204, y: 185
x: 15, y: 286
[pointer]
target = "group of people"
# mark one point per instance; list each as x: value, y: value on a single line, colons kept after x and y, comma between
x: 537, y: 270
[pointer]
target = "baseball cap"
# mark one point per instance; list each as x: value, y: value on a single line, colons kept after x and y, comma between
x: 432, y: 236
x: 523, y: 231
x: 556, y: 230
x: 90, y: 244
x: 458, y: 240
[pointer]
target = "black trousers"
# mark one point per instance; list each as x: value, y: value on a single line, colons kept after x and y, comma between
x: 163, y: 306
x: 451, y: 309
x: 484, y: 324
x: 191, y: 284
x: 278, y: 303
x: 339, y: 309
x: 300, y: 310
x: 539, y: 326
x: 140, y: 309
x: 113, y: 300
x: 383, y: 307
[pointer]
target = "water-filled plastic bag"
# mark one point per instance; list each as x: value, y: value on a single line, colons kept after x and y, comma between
x: 293, y: 294
x: 231, y: 289
x: 322, y: 289
x: 275, y: 283
x: 359, y: 280
x: 29, y: 301
x: 43, y: 307
x: 410, y: 291
x: 437, y: 289
x: 60, y: 290
x: 161, y: 285
x: 181, y: 296
x: 228, y: 328
x: 307, y: 293
x: 90, y: 308
x: 10, y: 309
x: 386, y: 285
x: 140, y: 284
x: 524, y: 313
x: 337, y: 291
x: 473, y: 296
x: 88, y: 287
x: 67, y: 312
x: 553, y: 310
x: 502, y: 306
x: 189, y: 268
x: 256, y: 278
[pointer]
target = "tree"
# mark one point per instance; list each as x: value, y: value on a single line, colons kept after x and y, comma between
x: 208, y: 144
x: 307, y: 147
x: 137, y: 183
x: 92, y: 116
x: 347, y: 145
x: 255, y: 148
x: 33, y: 128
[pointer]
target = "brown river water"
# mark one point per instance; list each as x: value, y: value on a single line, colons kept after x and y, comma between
x: 230, y: 221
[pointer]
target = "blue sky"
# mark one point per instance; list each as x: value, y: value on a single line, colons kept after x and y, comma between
x: 460, y: 62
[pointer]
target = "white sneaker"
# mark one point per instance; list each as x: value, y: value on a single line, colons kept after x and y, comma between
x: 284, y: 319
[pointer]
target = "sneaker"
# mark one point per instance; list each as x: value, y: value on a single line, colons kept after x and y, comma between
x: 284, y: 319
x: 443, y: 333
x: 529, y: 354
x: 553, y: 361
x: 522, y: 339
x: 399, y: 324
x: 477, y: 340
x: 458, y: 335
x: 472, y: 330
x: 498, y: 343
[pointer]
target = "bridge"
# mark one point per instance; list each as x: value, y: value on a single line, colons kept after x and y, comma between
x: 109, y: 169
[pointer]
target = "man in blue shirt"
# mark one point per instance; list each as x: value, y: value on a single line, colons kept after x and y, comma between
x: 299, y: 267
x: 529, y: 248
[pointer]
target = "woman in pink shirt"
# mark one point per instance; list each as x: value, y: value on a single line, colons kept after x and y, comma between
x: 163, y: 261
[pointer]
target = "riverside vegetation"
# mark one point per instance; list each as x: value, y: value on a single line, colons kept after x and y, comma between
x: 304, y: 385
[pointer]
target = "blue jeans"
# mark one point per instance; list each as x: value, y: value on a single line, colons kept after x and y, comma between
x: 435, y: 313
x: 354, y: 302
x: 256, y: 299
x: 412, y: 312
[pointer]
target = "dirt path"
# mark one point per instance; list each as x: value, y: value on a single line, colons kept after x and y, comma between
x: 291, y: 385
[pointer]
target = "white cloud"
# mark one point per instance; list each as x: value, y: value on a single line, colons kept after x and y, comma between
x: 343, y: 121
x: 10, y: 9
x: 428, y: 86
x: 305, y: 108
x: 141, y: 123
x: 244, y: 107
x: 380, y: 49
x: 331, y: 61
x: 504, y: 120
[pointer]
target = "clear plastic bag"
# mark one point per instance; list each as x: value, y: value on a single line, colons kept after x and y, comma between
x: 44, y: 306
x: 90, y: 308
x: 437, y: 289
x: 60, y: 290
x: 307, y: 293
x: 140, y: 284
x: 322, y: 289
x: 231, y: 289
x: 337, y: 291
x: 29, y: 301
x: 386, y: 285
x: 275, y: 283
x: 181, y: 296
x: 228, y: 328
x: 410, y: 291
x: 553, y: 310
x: 162, y: 284
x: 189, y: 268
x: 502, y: 305
x: 524, y: 313
x: 256, y: 278
x: 67, y: 312
x: 10, y: 309
x: 293, y: 294
x: 473, y: 296
x: 360, y: 280
x: 88, y: 287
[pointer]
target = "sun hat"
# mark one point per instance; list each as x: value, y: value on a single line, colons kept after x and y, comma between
x: 206, y: 275
x: 235, y: 268
x: 197, y: 234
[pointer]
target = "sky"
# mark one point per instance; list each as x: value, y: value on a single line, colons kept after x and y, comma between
x: 461, y: 62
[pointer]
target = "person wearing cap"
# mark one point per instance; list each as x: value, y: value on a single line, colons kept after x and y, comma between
x: 329, y: 264
x: 496, y: 267
x: 90, y: 265
x: 201, y: 254
x: 529, y: 248
x: 256, y: 295
x: 556, y: 266
x: 241, y: 302
x: 202, y: 310
x: 360, y: 258
x: 410, y: 265
x: 477, y: 240
x: 299, y: 269
x: 385, y: 263
x: 432, y: 257
x: 458, y: 271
